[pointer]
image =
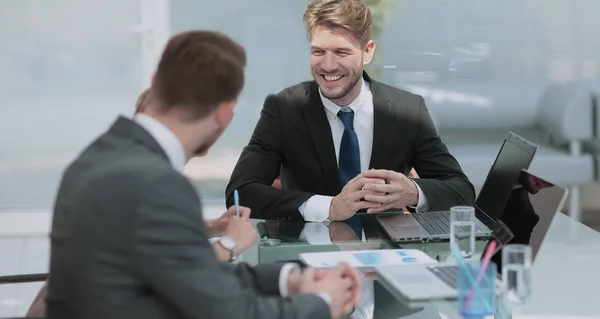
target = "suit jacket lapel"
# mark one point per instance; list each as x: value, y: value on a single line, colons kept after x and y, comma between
x: 319, y: 128
x: 383, y: 126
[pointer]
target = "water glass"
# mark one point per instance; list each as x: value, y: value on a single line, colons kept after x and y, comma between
x: 476, y: 289
x: 462, y: 229
x: 516, y: 275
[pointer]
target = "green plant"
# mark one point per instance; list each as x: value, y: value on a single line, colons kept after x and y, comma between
x: 380, y: 9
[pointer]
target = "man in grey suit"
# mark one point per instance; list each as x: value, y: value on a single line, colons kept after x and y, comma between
x: 128, y: 239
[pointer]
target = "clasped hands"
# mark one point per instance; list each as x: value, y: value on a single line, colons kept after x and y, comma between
x: 342, y: 284
x: 376, y: 191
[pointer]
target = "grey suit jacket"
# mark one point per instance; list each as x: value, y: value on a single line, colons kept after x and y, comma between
x: 128, y: 241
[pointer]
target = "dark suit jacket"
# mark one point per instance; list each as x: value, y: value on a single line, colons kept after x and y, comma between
x: 128, y: 241
x: 293, y: 138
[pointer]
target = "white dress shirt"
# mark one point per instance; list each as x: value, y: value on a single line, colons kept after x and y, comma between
x: 316, y: 208
x: 176, y: 154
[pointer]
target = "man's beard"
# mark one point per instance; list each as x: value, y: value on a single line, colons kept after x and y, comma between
x: 346, y: 90
x: 208, y: 143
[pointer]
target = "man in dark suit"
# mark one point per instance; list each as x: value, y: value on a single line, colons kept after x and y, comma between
x: 345, y: 142
x: 128, y: 239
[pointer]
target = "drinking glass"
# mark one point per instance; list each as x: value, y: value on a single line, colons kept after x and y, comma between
x: 462, y: 229
x: 477, y: 289
x: 516, y: 275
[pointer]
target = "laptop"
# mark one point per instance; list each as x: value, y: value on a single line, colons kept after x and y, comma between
x: 532, y: 206
x: 516, y: 153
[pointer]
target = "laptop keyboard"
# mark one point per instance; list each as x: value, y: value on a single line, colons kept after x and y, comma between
x: 447, y: 273
x: 435, y: 223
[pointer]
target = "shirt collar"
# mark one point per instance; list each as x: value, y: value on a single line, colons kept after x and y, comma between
x: 165, y: 138
x: 332, y: 109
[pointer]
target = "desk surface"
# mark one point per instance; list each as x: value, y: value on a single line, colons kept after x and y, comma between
x: 565, y: 272
x: 565, y: 275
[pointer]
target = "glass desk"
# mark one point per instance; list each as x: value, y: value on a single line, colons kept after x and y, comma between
x: 565, y: 272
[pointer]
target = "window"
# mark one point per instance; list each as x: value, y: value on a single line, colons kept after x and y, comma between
x: 68, y: 68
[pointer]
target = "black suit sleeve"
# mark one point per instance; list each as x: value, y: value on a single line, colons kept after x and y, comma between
x: 172, y: 255
x: 258, y: 167
x: 440, y: 176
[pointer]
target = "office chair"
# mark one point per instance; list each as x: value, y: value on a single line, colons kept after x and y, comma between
x: 37, y: 309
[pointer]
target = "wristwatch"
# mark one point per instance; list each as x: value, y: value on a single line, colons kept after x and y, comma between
x: 229, y: 244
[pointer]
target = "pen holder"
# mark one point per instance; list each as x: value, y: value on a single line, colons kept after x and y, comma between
x: 476, y: 291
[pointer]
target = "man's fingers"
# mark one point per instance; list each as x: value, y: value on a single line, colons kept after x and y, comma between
x: 358, y: 195
x: 383, y: 199
x: 245, y: 212
x: 230, y: 211
x: 341, y: 267
x: 360, y: 181
x: 348, y: 306
x: 353, y: 274
x: 347, y: 298
x: 379, y: 188
x: 346, y: 283
x: 356, y: 292
x: 378, y: 173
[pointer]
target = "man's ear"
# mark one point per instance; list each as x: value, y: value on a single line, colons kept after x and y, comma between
x: 369, y: 52
x: 224, y: 113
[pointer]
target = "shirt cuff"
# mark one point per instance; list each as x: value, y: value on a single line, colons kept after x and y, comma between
x: 316, y: 208
x: 213, y: 240
x: 316, y: 234
x: 325, y: 296
x: 422, y: 205
x: 286, y: 271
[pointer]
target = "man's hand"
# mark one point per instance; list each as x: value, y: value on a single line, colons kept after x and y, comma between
x: 240, y: 229
x: 216, y: 227
x: 341, y: 284
x: 399, y: 192
x: 294, y: 282
x: 348, y: 202
x: 341, y: 232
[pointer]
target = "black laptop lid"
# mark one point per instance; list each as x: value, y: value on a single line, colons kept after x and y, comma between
x: 530, y: 209
x: 515, y: 155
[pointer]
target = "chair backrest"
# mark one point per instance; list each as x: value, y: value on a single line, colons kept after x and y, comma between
x: 480, y: 106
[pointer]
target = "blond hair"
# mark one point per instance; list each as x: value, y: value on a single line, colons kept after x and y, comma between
x: 349, y: 15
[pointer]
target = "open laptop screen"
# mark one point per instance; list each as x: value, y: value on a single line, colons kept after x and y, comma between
x: 529, y: 211
x: 515, y: 154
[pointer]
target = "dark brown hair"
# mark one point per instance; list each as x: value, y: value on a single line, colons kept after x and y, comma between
x: 351, y: 16
x: 139, y: 104
x: 197, y: 71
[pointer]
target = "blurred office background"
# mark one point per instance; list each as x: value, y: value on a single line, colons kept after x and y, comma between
x: 69, y: 67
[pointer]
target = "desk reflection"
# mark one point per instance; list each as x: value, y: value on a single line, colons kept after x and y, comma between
x: 529, y: 211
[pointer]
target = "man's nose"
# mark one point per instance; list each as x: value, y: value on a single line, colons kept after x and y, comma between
x: 329, y: 63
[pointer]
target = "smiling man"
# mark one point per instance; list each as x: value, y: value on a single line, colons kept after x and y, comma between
x: 344, y: 142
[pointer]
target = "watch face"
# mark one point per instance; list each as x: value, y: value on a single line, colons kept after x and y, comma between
x: 228, y: 243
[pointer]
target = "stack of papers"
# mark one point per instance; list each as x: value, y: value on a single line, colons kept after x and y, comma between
x: 367, y: 260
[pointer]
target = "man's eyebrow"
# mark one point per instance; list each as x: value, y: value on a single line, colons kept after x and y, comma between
x: 343, y: 49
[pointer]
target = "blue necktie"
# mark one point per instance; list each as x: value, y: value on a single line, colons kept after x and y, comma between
x: 349, y: 160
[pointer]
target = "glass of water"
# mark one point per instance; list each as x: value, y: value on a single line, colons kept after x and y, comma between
x: 516, y: 275
x: 462, y: 229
